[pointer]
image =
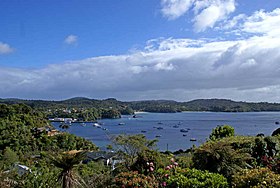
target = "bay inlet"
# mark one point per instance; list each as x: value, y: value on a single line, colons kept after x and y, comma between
x: 167, y: 127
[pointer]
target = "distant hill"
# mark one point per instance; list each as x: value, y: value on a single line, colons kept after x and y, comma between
x: 225, y: 105
x: 162, y: 106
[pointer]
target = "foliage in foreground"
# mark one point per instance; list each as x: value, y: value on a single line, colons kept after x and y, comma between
x: 134, y: 179
x: 220, y: 157
x: 256, y: 178
x: 185, y: 178
x: 130, y: 146
x: 67, y: 162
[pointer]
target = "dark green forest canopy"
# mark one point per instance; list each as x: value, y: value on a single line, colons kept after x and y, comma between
x: 163, y: 106
x: 19, y: 125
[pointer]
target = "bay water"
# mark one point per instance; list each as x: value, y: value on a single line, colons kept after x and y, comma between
x: 165, y: 127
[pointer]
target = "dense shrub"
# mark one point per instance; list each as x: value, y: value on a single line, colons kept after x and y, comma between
x: 221, y: 132
x: 134, y: 179
x: 256, y: 178
x: 95, y: 174
x: 40, y: 177
x: 265, y: 153
x: 220, y: 157
x: 276, y: 132
x: 184, y: 178
x: 185, y: 161
x: 133, y: 146
x: 147, y: 162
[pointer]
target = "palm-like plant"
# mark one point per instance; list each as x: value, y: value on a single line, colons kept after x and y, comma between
x: 67, y: 162
x: 220, y: 157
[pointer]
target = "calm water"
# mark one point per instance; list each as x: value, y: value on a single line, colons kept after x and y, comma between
x: 199, y: 123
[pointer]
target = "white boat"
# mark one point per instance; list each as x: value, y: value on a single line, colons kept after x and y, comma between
x: 96, y: 125
x: 68, y: 121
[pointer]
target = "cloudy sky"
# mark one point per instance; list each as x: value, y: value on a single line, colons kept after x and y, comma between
x: 140, y: 49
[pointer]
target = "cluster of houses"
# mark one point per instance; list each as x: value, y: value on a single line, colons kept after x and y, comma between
x: 108, y: 158
x: 50, y: 131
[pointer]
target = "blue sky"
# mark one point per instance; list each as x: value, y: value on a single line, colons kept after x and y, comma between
x: 136, y: 50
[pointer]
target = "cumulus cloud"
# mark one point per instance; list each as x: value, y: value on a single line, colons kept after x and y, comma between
x: 5, y: 48
x: 173, y: 9
x: 71, y: 39
x: 233, y: 22
x: 181, y: 69
x: 261, y: 22
x: 225, y: 69
x: 206, y: 12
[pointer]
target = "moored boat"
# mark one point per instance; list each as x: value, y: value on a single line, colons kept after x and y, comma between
x: 184, y: 130
x: 96, y: 125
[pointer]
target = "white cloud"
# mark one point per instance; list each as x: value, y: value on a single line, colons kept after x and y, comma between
x: 233, y: 22
x: 206, y: 12
x: 223, y: 69
x: 212, y: 12
x: 260, y: 23
x: 263, y: 23
x: 173, y: 9
x: 170, y: 43
x: 181, y: 69
x: 5, y: 48
x: 71, y: 39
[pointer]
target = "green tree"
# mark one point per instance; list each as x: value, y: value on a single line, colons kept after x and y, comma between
x: 148, y: 161
x: 110, y: 114
x: 132, y: 145
x: 96, y: 174
x: 43, y: 177
x: 220, y: 157
x: 9, y: 157
x: 221, y: 132
x: 67, y: 163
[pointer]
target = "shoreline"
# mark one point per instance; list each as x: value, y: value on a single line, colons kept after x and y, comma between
x: 141, y: 112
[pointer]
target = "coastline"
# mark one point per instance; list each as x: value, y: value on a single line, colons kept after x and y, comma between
x: 141, y: 112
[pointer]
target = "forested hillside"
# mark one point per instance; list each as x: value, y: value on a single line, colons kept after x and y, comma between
x: 162, y: 106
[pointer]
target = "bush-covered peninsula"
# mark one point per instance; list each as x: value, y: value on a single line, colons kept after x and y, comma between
x: 91, y: 109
